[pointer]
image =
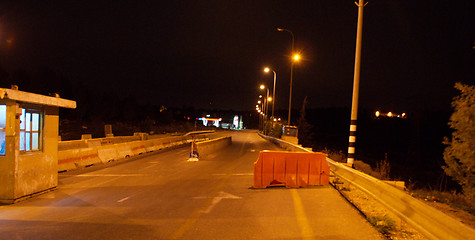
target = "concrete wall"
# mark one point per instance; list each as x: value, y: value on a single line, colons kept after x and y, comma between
x: 81, y: 157
x: 85, y: 143
x: 8, y: 162
x: 207, y: 147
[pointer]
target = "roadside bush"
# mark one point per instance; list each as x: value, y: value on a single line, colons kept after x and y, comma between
x: 459, y: 155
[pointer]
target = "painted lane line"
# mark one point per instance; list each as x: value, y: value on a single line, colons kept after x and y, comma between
x: 242, y: 174
x: 302, y: 219
x: 111, y: 175
x: 233, y: 174
x: 123, y: 199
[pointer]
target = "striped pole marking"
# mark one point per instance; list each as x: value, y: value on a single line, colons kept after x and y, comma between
x: 352, y: 143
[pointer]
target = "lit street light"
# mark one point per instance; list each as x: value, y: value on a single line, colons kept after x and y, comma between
x: 273, y: 91
x: 295, y: 58
x: 266, y: 103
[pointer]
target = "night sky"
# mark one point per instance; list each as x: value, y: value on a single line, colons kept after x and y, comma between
x: 211, y: 54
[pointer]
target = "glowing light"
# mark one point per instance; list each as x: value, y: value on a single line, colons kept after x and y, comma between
x: 278, y: 119
x: 262, y: 86
x: 296, y: 57
x: 266, y: 69
x: 257, y: 106
x: 377, y: 114
x: 269, y: 99
x: 259, y: 102
x: 390, y: 114
x: 403, y: 115
x: 260, y: 96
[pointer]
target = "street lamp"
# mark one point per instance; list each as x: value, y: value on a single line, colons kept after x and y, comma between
x: 266, y: 100
x: 296, y: 57
x: 356, y: 86
x: 265, y: 103
x: 273, y: 91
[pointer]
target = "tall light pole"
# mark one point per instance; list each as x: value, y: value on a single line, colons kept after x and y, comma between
x: 291, y: 69
x: 266, y: 101
x: 273, y: 91
x: 356, y: 86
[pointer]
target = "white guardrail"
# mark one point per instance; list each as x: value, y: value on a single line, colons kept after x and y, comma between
x: 430, y: 222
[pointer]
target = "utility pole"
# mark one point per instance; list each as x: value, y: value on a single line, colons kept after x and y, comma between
x: 356, y: 85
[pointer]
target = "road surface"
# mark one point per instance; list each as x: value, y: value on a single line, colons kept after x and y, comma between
x: 162, y: 196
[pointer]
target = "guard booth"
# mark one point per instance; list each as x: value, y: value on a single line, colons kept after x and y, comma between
x: 291, y: 131
x: 290, y: 134
x: 28, y: 143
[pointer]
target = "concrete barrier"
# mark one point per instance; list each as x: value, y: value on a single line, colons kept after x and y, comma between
x: 107, y: 154
x: 205, y: 148
x: 81, y: 153
x: 75, y: 158
x: 290, y: 169
x: 84, y: 143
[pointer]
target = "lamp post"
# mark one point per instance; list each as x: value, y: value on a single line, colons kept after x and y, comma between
x: 273, y: 90
x: 356, y: 85
x: 291, y: 69
x: 266, y: 105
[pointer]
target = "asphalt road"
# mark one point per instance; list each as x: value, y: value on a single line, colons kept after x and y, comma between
x: 162, y: 196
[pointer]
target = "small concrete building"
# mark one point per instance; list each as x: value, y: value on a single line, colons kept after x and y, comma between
x: 29, y: 126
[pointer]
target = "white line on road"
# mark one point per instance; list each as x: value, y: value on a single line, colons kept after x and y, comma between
x: 123, y: 199
x: 111, y: 175
x: 233, y: 174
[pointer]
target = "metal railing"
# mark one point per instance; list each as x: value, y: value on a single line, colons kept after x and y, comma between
x: 430, y: 222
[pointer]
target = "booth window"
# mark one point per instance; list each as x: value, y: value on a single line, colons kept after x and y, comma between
x: 3, y: 123
x: 30, y: 130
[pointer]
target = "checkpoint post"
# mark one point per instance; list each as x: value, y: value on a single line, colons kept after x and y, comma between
x: 29, y: 143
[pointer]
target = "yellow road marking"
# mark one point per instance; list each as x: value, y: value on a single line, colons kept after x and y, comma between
x: 302, y: 220
x: 188, y: 223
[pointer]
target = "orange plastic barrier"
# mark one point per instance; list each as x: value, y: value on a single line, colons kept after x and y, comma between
x: 292, y: 169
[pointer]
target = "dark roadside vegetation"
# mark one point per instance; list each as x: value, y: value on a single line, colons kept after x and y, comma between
x: 406, y: 149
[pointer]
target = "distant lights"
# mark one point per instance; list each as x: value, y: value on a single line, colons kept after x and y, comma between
x: 389, y: 115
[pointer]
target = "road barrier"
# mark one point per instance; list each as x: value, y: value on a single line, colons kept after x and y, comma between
x: 205, y: 148
x: 85, y: 156
x: 292, y: 169
x: 429, y: 221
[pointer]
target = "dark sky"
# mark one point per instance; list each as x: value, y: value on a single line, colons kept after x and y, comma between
x: 210, y: 54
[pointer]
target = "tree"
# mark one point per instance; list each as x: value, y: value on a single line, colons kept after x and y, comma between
x: 459, y: 155
x: 305, y: 129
